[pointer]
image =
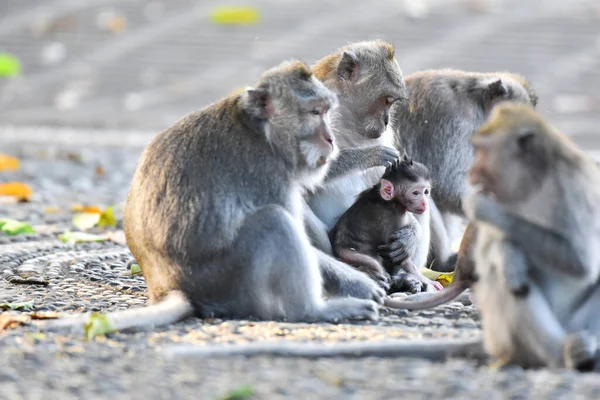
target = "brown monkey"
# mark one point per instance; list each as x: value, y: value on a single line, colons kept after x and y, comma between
x: 388, y: 206
x: 445, y: 108
x: 215, y: 211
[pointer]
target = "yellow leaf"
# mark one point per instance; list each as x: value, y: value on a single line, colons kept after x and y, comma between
x: 107, y: 218
x: 18, y: 190
x: 86, y: 209
x: 97, y: 325
x: 235, y: 15
x: 85, y: 221
x: 445, y: 278
x: 8, y: 163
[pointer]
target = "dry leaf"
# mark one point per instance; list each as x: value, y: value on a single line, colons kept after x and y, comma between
x: 44, y: 315
x: 13, y: 321
x: 8, y: 163
x: 86, y: 209
x: 18, y: 190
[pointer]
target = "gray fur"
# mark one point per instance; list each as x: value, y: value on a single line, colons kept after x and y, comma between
x: 543, y: 214
x: 446, y: 107
x: 215, y: 209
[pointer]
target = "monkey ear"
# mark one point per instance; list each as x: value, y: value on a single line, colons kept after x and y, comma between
x: 387, y: 190
x: 348, y: 67
x: 526, y: 141
x: 258, y: 103
x: 497, y: 89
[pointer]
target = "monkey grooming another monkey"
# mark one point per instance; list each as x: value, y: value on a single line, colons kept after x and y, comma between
x: 446, y: 107
x: 215, y: 210
x: 402, y: 191
x: 367, y: 80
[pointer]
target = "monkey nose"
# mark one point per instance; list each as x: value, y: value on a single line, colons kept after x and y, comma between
x: 386, y: 119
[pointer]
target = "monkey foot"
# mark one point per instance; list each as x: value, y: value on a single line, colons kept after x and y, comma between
x: 580, y: 350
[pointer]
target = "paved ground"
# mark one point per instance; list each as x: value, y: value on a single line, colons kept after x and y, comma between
x: 96, y: 104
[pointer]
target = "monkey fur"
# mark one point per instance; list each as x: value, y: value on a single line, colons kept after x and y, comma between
x: 379, y: 212
x: 446, y: 107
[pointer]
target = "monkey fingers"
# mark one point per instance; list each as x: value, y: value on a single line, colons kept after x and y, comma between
x: 405, y: 282
x: 387, y: 155
x: 382, y: 278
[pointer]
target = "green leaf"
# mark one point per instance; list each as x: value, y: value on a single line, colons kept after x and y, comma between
x: 97, y: 325
x: 107, y: 218
x: 243, y: 392
x: 135, y: 269
x: 13, y: 227
x: 235, y: 15
x: 85, y: 221
x: 9, y: 65
x: 16, y: 306
x: 80, y: 237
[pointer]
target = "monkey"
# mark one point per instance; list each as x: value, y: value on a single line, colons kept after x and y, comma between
x: 535, y: 207
x: 379, y: 211
x: 445, y: 108
x: 367, y: 80
x: 214, y: 214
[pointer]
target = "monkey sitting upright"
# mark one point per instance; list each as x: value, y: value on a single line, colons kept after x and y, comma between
x: 378, y: 212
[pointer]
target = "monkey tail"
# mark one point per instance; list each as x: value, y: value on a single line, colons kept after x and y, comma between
x: 173, y: 308
x: 427, y: 300
x: 434, y: 350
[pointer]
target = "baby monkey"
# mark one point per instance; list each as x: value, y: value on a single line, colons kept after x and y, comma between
x: 379, y: 212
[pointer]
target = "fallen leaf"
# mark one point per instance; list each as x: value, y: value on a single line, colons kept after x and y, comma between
x: 86, y: 209
x: 99, y: 171
x: 235, y: 15
x: 13, y: 227
x: 44, y: 315
x: 80, y: 237
x: 107, y: 218
x: 12, y: 321
x: 85, y: 221
x: 9, y: 65
x: 35, y: 335
x: 135, y: 269
x: 16, y: 306
x: 117, y: 237
x: 97, y: 325
x: 243, y: 392
x: 445, y: 278
x: 18, y: 190
x: 8, y: 163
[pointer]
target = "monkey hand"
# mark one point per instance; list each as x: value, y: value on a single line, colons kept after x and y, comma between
x: 383, y: 156
x: 401, y: 246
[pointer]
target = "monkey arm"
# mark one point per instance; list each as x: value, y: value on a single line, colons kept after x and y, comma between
x: 402, y: 244
x: 316, y: 230
x: 541, y: 245
x: 358, y: 159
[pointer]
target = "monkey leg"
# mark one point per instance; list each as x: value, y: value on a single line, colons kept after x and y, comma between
x: 412, y: 269
x: 279, y: 269
x: 342, y: 280
x: 368, y: 265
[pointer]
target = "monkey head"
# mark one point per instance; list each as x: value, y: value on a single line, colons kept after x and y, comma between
x: 512, y: 153
x: 368, y: 80
x: 505, y: 87
x: 407, y: 183
x: 293, y: 108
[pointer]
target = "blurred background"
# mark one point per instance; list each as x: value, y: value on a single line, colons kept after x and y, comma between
x: 134, y: 66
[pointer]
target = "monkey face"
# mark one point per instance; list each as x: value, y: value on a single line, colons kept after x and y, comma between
x: 416, y: 197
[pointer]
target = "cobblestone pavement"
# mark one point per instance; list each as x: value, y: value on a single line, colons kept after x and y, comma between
x: 115, y: 90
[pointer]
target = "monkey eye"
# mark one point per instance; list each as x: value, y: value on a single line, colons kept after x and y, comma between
x: 389, y: 100
x: 315, y: 111
x: 416, y: 193
x: 427, y: 192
